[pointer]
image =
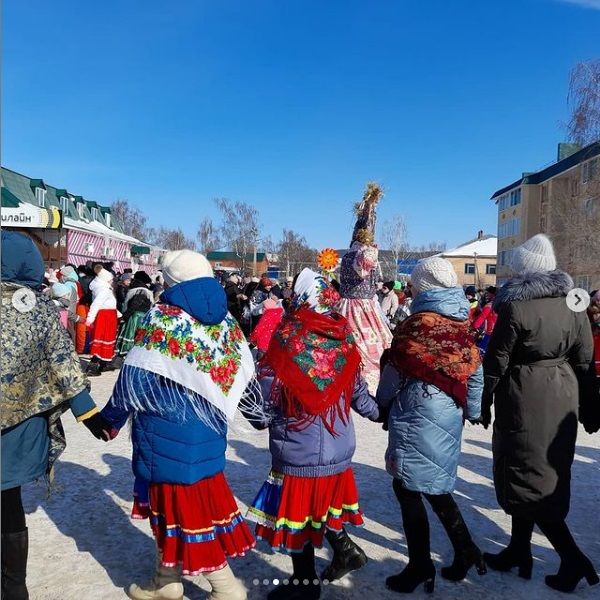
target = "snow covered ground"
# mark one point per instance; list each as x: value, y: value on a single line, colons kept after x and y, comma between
x: 83, y: 545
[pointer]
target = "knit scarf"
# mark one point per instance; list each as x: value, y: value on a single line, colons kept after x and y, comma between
x: 437, y: 350
x: 315, y: 364
x: 178, y: 364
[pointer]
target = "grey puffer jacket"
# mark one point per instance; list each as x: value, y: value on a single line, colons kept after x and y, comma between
x: 312, y: 451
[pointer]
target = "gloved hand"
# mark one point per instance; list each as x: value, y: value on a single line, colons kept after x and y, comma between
x: 100, y: 427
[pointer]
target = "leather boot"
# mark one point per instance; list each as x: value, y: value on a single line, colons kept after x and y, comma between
x: 517, y: 553
x: 304, y: 583
x: 347, y: 556
x: 466, y: 553
x: 15, y: 547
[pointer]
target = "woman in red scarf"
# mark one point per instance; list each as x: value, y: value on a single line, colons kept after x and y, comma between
x: 310, y: 380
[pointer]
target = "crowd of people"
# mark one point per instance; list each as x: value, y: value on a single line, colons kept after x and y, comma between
x: 299, y: 359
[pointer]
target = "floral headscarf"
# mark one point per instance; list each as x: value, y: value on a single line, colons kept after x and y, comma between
x: 313, y: 292
x: 313, y: 356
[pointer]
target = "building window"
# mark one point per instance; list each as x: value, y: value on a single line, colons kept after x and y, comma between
x: 469, y: 268
x: 591, y: 207
x: 40, y: 196
x: 490, y: 269
x: 94, y: 214
x: 509, y: 228
x: 590, y: 170
x: 108, y: 220
x: 80, y: 209
x: 505, y: 257
x: 515, y: 197
x: 64, y: 203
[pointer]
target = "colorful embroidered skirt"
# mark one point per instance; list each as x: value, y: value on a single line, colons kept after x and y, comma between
x: 292, y: 512
x: 104, y: 334
x: 196, y: 526
x: 127, y: 331
x: 371, y: 333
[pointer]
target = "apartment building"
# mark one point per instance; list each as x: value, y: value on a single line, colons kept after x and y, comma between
x: 562, y: 201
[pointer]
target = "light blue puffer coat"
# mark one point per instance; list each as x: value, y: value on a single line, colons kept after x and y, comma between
x: 425, y: 424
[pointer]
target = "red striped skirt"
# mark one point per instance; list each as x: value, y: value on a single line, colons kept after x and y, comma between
x: 292, y: 512
x: 104, y: 334
x: 196, y: 526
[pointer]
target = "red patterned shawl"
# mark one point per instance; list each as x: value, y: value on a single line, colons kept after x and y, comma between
x: 315, y: 361
x: 437, y: 350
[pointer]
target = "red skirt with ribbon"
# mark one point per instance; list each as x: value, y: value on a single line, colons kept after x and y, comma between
x: 196, y: 526
x: 292, y: 512
x: 104, y: 335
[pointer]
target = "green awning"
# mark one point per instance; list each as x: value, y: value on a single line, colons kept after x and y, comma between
x: 140, y: 250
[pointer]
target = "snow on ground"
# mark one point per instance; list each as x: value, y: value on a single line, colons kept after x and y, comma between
x: 83, y: 545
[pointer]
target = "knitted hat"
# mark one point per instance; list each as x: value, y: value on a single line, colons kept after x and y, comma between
x: 433, y: 272
x: 536, y: 255
x: 126, y: 277
x: 184, y: 265
x: 69, y: 273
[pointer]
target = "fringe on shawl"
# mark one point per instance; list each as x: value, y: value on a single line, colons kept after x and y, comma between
x: 141, y: 391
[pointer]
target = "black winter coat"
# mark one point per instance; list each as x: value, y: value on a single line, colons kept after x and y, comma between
x: 538, y: 350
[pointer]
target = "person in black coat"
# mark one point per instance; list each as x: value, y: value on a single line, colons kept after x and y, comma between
x: 535, y: 370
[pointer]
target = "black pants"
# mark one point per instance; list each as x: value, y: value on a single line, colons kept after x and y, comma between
x: 13, y: 514
x: 416, y: 523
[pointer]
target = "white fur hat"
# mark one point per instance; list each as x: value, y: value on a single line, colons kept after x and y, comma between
x: 184, y: 265
x: 433, y: 272
x: 536, y: 255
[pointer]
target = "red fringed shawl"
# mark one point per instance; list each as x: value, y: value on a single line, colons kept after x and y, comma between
x: 315, y: 361
x: 438, y: 351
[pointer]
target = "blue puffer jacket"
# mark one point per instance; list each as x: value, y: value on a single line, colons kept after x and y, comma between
x: 312, y: 451
x: 172, y: 449
x: 425, y: 424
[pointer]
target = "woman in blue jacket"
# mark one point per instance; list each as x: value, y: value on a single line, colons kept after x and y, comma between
x: 310, y: 380
x: 433, y: 381
x: 41, y: 379
x: 181, y: 382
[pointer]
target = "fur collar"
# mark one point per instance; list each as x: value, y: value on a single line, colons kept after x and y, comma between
x: 531, y: 286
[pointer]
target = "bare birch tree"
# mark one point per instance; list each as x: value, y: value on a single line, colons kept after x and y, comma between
x: 294, y: 253
x: 208, y: 236
x: 584, y: 99
x: 132, y: 219
x: 240, y: 229
x: 394, y: 239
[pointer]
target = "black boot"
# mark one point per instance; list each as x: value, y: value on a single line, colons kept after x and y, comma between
x: 517, y: 553
x: 94, y: 369
x: 420, y: 568
x: 14, y: 565
x: 574, y: 564
x: 411, y: 578
x: 466, y: 553
x: 347, y: 556
x: 304, y: 583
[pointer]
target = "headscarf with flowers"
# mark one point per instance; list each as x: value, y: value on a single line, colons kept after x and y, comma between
x: 437, y: 350
x: 189, y: 355
x: 313, y: 357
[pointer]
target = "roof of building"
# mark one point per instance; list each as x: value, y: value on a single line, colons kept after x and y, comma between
x: 18, y: 188
x: 260, y: 256
x: 553, y: 170
x: 487, y: 245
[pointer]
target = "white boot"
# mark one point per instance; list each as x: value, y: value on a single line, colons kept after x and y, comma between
x: 166, y: 585
x: 225, y: 586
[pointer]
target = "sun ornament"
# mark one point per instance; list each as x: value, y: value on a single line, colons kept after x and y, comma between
x: 328, y: 259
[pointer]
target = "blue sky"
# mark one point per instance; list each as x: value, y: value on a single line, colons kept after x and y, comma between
x: 292, y: 105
